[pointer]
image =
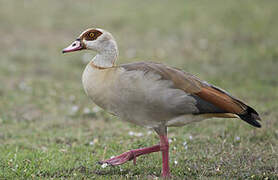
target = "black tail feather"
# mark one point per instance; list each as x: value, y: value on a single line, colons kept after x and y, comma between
x: 251, y: 116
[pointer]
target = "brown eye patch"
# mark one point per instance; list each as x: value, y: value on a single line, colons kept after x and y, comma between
x: 91, y: 35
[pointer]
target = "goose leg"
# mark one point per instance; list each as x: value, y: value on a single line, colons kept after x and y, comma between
x: 164, y: 148
x: 130, y: 155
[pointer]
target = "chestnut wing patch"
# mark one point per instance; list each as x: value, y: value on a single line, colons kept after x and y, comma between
x: 221, y: 99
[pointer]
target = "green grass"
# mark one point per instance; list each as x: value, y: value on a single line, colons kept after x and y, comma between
x: 49, y: 129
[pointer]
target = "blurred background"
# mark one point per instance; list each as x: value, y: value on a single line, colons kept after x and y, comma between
x: 50, y: 129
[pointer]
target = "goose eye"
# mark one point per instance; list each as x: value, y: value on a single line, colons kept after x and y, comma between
x: 91, y: 34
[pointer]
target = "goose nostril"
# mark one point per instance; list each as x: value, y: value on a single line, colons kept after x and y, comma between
x: 74, y: 44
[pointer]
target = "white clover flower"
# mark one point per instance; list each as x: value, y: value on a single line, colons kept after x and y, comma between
x: 74, y: 109
x: 138, y: 134
x: 86, y: 110
x: 104, y: 165
x: 185, y: 145
x: 92, y: 143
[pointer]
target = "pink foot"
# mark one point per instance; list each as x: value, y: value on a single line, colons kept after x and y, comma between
x: 121, y: 159
x: 130, y: 155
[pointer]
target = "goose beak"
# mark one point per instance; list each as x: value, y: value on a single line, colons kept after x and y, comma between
x: 75, y: 46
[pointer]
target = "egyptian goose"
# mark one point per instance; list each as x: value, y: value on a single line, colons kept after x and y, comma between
x: 151, y: 94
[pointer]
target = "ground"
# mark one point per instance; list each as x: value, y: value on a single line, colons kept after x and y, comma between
x: 49, y: 129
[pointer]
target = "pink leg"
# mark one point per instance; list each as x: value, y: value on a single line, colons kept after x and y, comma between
x: 164, y: 148
x: 132, y: 154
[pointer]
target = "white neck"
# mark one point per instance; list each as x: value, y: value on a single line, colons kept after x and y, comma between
x: 106, y: 57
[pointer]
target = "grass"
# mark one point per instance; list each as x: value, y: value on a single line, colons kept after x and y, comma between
x: 49, y: 129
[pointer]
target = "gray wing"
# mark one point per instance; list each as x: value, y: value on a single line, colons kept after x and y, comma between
x: 199, y: 97
x: 178, y: 98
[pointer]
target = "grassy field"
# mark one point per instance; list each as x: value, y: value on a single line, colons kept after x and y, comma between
x: 49, y: 129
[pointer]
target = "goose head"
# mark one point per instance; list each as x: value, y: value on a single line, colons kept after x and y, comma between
x: 94, y: 39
